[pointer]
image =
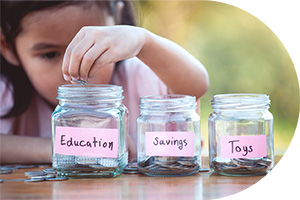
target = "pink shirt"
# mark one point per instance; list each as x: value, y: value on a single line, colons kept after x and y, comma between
x: 135, y: 77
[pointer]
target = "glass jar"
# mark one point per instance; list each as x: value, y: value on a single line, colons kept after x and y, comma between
x: 241, y: 135
x: 169, y: 140
x: 89, y: 128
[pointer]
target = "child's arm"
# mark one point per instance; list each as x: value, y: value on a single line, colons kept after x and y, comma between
x: 95, y: 47
x: 24, y: 149
x: 178, y: 69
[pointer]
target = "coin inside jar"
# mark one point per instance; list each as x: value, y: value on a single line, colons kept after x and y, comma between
x: 242, y: 166
x: 169, y: 165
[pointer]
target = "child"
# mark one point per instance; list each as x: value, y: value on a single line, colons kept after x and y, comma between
x: 45, y: 44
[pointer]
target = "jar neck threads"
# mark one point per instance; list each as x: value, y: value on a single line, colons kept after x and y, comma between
x: 167, y: 103
x: 90, y: 93
x: 240, y: 102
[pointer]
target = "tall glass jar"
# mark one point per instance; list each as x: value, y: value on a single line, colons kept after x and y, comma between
x: 169, y: 140
x: 89, y: 128
x: 241, y: 135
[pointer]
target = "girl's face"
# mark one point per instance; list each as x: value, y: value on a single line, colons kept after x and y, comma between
x: 42, y: 42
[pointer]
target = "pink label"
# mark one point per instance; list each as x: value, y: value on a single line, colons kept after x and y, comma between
x: 251, y: 146
x: 170, y: 144
x: 91, y: 142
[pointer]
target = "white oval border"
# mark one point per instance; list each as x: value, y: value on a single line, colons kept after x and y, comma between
x: 281, y: 17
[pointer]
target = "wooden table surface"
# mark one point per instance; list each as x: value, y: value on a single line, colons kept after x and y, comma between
x: 127, y: 186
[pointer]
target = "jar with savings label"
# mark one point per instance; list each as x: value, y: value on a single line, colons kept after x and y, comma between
x: 169, y: 140
x: 89, y: 128
x: 241, y: 135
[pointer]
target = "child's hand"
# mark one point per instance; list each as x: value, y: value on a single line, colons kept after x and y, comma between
x: 96, y: 46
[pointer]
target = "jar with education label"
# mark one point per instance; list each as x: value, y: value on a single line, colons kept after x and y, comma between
x: 241, y: 135
x: 89, y: 128
x: 169, y: 140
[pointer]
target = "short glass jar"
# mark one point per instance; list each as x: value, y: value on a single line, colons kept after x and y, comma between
x: 89, y: 128
x: 241, y: 135
x: 168, y: 132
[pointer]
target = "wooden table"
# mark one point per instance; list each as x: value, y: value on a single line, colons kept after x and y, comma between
x: 127, y: 186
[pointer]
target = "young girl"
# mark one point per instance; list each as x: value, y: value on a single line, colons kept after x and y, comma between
x: 45, y: 44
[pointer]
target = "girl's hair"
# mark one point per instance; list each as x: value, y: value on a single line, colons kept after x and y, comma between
x: 12, y: 13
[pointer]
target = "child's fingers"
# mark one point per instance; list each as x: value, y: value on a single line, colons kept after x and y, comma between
x: 77, y: 56
x: 89, y: 59
x: 65, y: 65
x: 66, y: 60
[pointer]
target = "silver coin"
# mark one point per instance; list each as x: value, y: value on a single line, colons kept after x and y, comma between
x: 25, y: 166
x: 265, y: 162
x: 186, y: 163
x: 81, y: 82
x: 204, y: 170
x: 57, y: 179
x: 14, y: 180
x: 165, y: 160
x: 4, y: 167
x: 133, y: 164
x: 33, y: 180
x: 38, y: 177
x: 8, y: 167
x: 50, y: 171
x: 131, y: 172
x: 34, y: 173
x: 50, y: 176
x: 243, y: 162
x: 6, y: 171
x: 131, y: 167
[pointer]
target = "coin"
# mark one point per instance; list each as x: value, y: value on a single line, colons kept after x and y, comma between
x: 6, y: 171
x: 131, y: 172
x: 25, y: 166
x: 33, y: 180
x: 81, y: 82
x: 50, y: 176
x: 204, y: 170
x: 265, y: 162
x: 57, y: 179
x: 37, y: 177
x: 131, y: 167
x: 187, y: 163
x: 34, y: 173
x: 8, y: 167
x: 50, y: 171
x: 14, y: 180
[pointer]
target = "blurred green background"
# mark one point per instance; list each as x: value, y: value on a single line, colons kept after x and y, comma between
x: 240, y: 53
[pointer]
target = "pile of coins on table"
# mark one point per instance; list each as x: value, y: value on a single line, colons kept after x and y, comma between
x: 48, y: 174
x: 242, y: 165
x: 160, y: 164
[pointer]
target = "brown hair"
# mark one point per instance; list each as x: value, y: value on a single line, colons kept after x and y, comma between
x: 12, y: 13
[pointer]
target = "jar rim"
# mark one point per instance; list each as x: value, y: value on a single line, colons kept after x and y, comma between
x: 169, y: 102
x: 240, y: 101
x: 167, y: 97
x: 89, y: 91
x: 241, y: 95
